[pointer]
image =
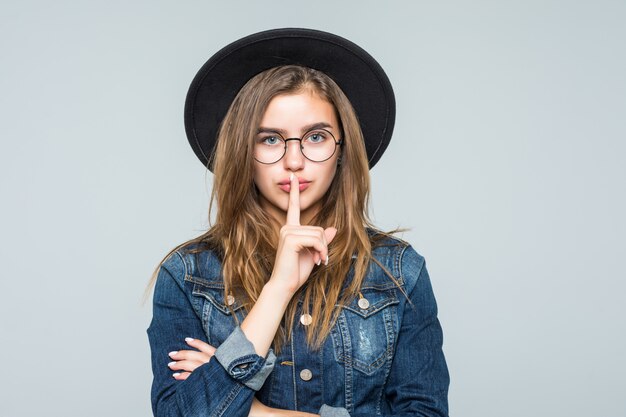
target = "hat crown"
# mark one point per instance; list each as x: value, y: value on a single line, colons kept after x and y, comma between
x: 355, y: 71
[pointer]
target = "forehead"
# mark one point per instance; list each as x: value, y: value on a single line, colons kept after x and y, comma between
x: 294, y: 111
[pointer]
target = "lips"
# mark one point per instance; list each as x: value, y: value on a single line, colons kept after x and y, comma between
x: 285, y: 185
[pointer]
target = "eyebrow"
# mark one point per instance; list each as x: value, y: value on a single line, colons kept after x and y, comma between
x: 282, y: 132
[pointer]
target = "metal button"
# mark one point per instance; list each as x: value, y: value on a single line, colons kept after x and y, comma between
x: 306, y: 375
x: 306, y: 319
x: 230, y: 300
x: 363, y: 303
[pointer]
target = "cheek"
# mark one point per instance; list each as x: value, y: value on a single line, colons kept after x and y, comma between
x: 332, y: 171
x: 258, y: 175
x: 262, y: 179
x: 329, y: 176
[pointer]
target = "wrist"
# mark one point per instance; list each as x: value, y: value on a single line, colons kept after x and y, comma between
x: 289, y: 413
x: 278, y: 291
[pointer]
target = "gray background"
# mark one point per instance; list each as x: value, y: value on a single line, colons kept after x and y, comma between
x: 506, y: 163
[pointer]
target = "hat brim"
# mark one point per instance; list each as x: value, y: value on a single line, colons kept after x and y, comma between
x: 359, y: 76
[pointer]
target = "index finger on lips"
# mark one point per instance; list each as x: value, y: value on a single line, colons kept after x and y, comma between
x: 293, y: 209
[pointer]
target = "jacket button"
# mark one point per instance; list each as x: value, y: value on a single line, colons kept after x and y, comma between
x: 306, y: 375
x: 230, y: 300
x: 363, y: 303
x: 306, y: 319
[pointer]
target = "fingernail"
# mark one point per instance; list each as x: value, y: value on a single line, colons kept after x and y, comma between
x: 319, y: 261
x: 172, y: 353
x: 189, y: 339
x: 177, y: 374
x: 171, y: 363
x: 326, y: 263
x: 291, y: 177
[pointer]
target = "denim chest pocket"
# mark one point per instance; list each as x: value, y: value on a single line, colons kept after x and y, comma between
x: 217, y: 318
x: 364, y: 335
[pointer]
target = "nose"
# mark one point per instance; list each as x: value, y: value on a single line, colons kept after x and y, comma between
x: 293, y: 160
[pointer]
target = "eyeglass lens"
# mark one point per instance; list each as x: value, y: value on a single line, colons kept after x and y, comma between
x: 316, y: 145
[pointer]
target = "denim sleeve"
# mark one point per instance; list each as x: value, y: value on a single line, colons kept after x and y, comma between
x: 419, y: 379
x: 223, y: 388
x: 238, y: 357
x: 327, y: 411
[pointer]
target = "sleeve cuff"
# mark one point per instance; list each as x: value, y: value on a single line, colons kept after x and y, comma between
x: 238, y: 357
x: 327, y: 411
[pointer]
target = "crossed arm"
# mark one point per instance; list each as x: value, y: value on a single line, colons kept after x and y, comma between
x: 300, y: 248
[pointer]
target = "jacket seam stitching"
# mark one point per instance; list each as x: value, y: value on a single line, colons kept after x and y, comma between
x: 228, y: 400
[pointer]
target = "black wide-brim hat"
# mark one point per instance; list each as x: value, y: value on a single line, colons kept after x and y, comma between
x: 358, y: 75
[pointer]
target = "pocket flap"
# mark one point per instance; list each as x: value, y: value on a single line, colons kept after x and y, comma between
x: 371, y: 302
x: 214, y: 292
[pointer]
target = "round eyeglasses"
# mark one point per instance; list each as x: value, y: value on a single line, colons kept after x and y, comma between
x: 317, y: 145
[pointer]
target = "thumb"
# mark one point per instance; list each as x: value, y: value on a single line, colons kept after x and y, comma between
x: 329, y: 234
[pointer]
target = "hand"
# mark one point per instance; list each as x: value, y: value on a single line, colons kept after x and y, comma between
x: 188, y: 360
x: 258, y: 409
x: 300, y: 247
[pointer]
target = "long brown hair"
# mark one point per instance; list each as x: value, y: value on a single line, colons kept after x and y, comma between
x: 245, y: 236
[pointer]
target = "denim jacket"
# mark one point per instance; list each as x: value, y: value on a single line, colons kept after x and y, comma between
x: 383, y: 357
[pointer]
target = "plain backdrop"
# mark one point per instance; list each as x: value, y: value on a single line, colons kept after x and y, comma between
x: 507, y: 164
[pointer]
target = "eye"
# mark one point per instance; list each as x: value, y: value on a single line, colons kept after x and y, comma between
x: 317, y: 136
x: 270, y: 140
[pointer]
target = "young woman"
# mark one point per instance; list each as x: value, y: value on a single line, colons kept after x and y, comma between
x: 292, y: 303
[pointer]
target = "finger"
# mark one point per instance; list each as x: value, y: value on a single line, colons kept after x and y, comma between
x: 317, y: 258
x: 314, y: 231
x: 181, y: 376
x: 189, y: 366
x: 302, y: 243
x: 294, y: 233
x: 191, y: 355
x: 293, y: 209
x: 310, y: 231
x: 200, y: 345
x: 329, y: 235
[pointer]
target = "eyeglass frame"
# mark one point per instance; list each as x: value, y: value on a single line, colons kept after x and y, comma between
x: 337, y: 143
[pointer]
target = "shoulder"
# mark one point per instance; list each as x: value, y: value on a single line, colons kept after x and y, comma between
x: 397, y: 257
x: 193, y: 262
